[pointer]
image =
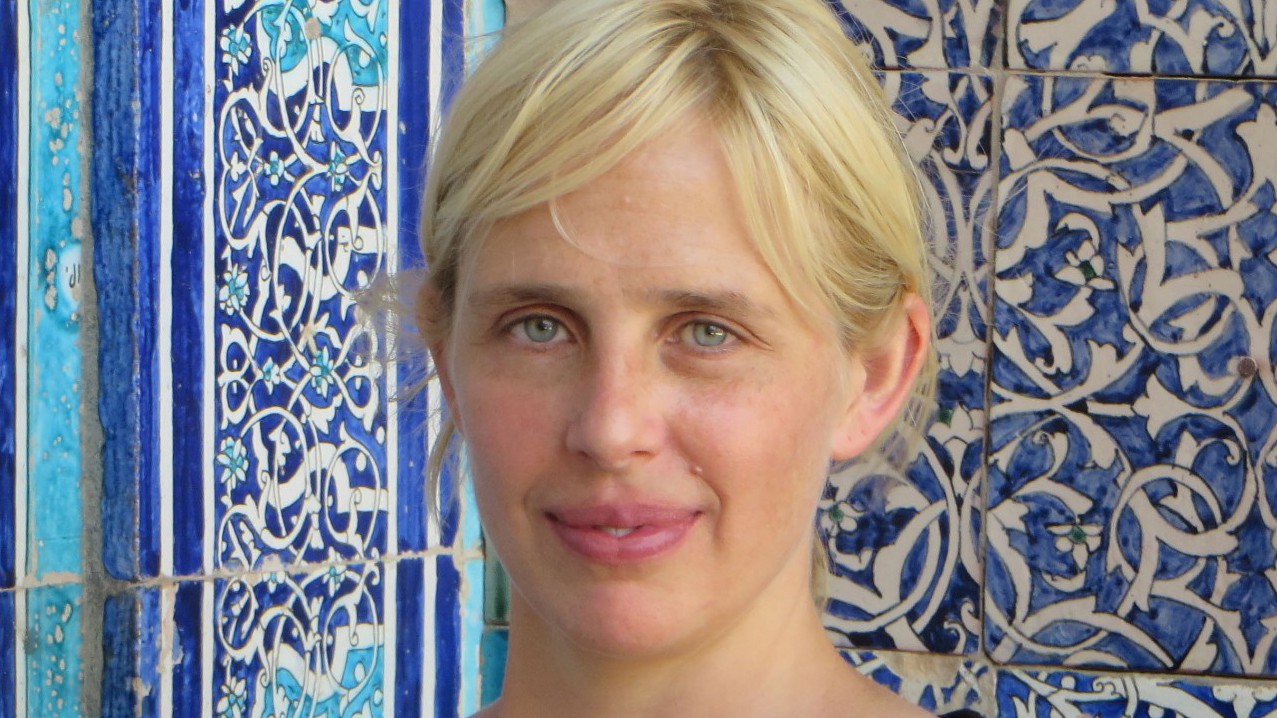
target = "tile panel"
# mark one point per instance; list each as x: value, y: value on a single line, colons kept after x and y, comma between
x: 1133, y: 457
x: 932, y: 35
x: 1201, y: 38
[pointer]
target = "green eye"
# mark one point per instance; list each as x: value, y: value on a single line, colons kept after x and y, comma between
x: 540, y: 329
x: 709, y: 335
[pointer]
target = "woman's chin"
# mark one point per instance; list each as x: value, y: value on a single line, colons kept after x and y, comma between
x: 626, y: 626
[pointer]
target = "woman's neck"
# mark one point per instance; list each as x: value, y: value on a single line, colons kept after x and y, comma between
x: 775, y: 661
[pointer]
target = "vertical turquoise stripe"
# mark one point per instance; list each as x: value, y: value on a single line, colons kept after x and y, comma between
x: 53, y: 415
x: 471, y: 636
x: 53, y: 668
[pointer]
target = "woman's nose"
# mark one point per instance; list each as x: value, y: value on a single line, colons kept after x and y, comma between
x: 618, y: 422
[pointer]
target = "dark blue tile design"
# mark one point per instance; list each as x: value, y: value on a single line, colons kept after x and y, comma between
x: 447, y: 643
x: 912, y: 34
x: 313, y: 639
x: 116, y: 161
x: 1191, y: 38
x: 409, y: 635
x: 1033, y: 693
x: 1131, y: 466
x: 147, y: 286
x: 926, y: 524
x: 414, y: 146
x: 7, y: 657
x: 298, y: 210
x: 189, y: 635
x: 188, y: 290
x: 8, y: 286
x: 495, y: 646
x: 131, y: 627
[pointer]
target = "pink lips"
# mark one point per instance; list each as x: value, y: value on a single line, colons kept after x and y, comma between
x: 621, y: 534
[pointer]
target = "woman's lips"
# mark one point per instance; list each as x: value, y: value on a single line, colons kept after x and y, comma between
x: 621, y: 534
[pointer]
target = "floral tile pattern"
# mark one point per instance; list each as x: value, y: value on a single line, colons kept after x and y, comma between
x: 907, y: 34
x: 1194, y: 37
x: 301, y: 147
x: 1025, y: 694
x: 927, y: 520
x: 1133, y: 456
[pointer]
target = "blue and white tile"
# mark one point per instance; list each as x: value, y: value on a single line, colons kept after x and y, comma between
x: 1133, y: 457
x: 905, y: 544
x: 1193, y: 38
x: 939, y: 35
x: 939, y: 684
x: 338, y: 641
x: 1029, y: 694
x: 234, y: 300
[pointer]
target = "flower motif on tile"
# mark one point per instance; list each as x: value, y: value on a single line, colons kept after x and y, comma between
x: 236, y: 48
x: 903, y: 541
x: 233, y: 292
x: 232, y: 701
x: 1193, y: 37
x: 1130, y: 520
x: 946, y: 34
x: 234, y: 462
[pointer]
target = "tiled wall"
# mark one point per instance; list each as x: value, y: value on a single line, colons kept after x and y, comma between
x: 1090, y: 530
x: 202, y: 513
x: 206, y: 508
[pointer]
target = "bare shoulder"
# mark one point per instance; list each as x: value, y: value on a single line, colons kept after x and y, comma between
x: 488, y: 712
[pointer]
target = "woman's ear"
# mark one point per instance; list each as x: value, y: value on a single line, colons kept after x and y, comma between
x: 884, y: 378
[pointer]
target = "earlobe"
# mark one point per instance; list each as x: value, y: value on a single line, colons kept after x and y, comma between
x: 886, y: 377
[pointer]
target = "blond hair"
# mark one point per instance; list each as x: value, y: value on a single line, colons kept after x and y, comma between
x: 828, y: 193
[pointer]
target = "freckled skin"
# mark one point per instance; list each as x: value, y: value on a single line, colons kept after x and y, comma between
x: 651, y: 357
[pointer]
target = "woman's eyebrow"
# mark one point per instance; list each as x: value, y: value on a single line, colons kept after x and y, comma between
x: 507, y: 294
x: 727, y: 302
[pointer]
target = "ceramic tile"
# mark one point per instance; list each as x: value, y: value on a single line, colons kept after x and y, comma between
x: 48, y: 662
x: 8, y: 661
x: 947, y: 34
x: 939, y: 684
x: 905, y: 544
x: 1195, y: 37
x: 8, y: 289
x: 348, y: 641
x: 232, y: 302
x: 1132, y: 475
x: 495, y: 647
x: 1025, y: 694
x: 53, y: 215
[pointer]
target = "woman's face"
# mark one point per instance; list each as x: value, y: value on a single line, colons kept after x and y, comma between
x: 649, y: 416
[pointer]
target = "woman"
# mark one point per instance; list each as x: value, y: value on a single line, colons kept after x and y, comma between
x: 675, y: 270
